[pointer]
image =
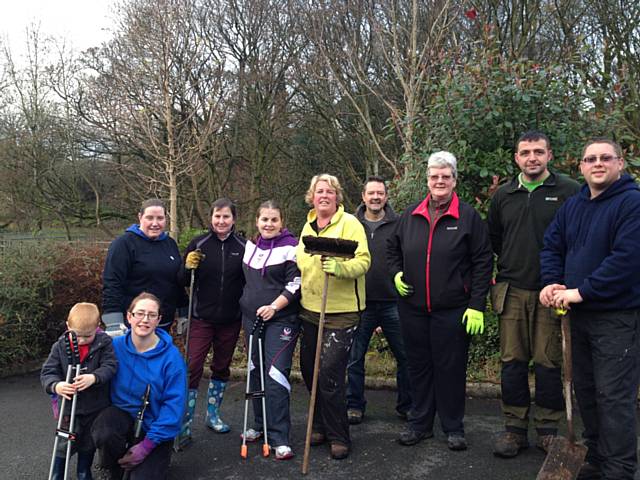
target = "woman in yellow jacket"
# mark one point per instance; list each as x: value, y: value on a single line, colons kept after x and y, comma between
x: 345, y: 301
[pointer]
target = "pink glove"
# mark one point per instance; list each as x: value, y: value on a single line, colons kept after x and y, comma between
x: 136, y: 454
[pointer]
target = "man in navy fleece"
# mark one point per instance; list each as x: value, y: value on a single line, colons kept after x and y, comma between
x: 590, y: 263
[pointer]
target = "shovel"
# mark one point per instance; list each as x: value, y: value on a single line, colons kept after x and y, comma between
x: 564, y: 458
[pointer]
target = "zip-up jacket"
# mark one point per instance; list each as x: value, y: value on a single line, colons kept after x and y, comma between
x: 270, y: 270
x: 593, y: 245
x: 380, y: 286
x: 137, y: 264
x: 219, y: 278
x: 449, y: 263
x: 347, y: 292
x: 163, y: 368
x: 517, y: 220
x: 100, y: 361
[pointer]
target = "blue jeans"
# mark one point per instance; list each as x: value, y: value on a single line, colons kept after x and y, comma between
x: 385, y: 315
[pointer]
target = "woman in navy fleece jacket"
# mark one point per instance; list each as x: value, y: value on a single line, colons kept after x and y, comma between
x: 144, y: 259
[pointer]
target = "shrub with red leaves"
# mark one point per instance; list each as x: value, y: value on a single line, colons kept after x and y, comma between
x: 471, y: 14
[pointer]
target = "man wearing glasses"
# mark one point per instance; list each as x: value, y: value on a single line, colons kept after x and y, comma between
x: 520, y: 212
x: 590, y: 263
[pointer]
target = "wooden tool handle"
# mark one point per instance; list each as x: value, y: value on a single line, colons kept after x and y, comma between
x: 314, y: 383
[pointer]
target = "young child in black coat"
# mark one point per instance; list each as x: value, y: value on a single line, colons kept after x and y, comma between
x: 98, y: 364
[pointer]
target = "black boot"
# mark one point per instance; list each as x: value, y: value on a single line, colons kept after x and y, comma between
x: 85, y: 460
x: 58, y: 468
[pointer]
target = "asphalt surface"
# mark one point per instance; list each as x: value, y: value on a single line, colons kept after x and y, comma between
x: 27, y: 429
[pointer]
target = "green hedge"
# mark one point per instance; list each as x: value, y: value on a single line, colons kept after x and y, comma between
x: 40, y: 283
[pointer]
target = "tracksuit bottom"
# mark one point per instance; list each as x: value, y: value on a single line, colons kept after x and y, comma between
x: 279, y: 341
x: 606, y: 372
x: 437, y: 346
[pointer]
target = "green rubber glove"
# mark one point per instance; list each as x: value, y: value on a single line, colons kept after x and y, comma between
x: 474, y: 320
x: 404, y: 289
x: 331, y: 266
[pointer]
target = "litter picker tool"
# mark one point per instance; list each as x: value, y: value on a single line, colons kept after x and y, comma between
x: 73, y: 370
x: 325, y: 247
x: 137, y: 426
x: 257, y: 330
x: 183, y: 441
x: 565, y: 457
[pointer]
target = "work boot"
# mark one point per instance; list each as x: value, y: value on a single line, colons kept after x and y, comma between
x: 214, y: 401
x: 317, y: 438
x: 354, y: 416
x: 589, y: 471
x: 85, y: 460
x: 544, y: 442
x: 410, y: 437
x: 509, y: 444
x: 184, y: 437
x: 456, y: 442
x: 58, y: 468
x: 339, y: 451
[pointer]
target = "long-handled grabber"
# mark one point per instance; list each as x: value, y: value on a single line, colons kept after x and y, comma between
x: 325, y: 247
x: 73, y: 370
x: 137, y: 425
x: 565, y: 457
x: 184, y: 439
x: 257, y: 330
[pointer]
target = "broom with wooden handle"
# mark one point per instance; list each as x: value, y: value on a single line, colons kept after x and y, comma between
x: 325, y: 247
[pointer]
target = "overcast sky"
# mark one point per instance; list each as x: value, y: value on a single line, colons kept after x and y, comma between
x: 83, y: 23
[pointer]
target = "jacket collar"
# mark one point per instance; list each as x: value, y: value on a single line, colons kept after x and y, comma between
x: 423, y: 208
x: 389, y: 214
x: 514, y: 185
x: 312, y: 216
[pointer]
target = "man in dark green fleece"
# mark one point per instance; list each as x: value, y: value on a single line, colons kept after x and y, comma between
x: 520, y: 212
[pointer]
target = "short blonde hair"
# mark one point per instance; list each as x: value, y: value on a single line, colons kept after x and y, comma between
x: 83, y: 316
x: 333, y: 183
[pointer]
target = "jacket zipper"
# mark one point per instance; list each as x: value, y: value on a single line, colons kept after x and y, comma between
x: 432, y: 230
x: 221, y: 276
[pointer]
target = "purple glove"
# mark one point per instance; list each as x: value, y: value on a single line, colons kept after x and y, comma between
x: 136, y: 454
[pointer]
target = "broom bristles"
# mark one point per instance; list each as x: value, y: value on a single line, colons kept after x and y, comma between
x: 329, y: 247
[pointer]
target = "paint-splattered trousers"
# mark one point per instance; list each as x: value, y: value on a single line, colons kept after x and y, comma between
x: 330, y: 416
x: 606, y: 371
x: 278, y: 343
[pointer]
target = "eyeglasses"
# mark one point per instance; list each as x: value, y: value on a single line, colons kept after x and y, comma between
x: 139, y: 315
x: 606, y: 158
x: 444, y: 178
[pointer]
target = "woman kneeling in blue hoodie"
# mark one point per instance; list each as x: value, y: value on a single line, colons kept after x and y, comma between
x: 146, y: 357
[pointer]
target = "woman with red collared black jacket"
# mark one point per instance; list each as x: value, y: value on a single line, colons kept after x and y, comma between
x: 441, y: 262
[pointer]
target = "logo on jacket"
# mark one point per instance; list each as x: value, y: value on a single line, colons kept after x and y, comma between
x: 551, y: 199
x: 452, y: 228
x: 286, y: 334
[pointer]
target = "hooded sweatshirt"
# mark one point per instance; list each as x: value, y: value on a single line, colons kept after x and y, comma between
x: 270, y: 270
x: 163, y: 368
x: 593, y: 244
x: 135, y: 264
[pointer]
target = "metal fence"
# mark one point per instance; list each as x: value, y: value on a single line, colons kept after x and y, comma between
x: 16, y: 243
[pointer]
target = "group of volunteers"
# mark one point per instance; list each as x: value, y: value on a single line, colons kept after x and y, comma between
x: 421, y: 278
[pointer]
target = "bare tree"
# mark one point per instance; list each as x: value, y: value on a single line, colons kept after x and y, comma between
x: 157, y: 92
